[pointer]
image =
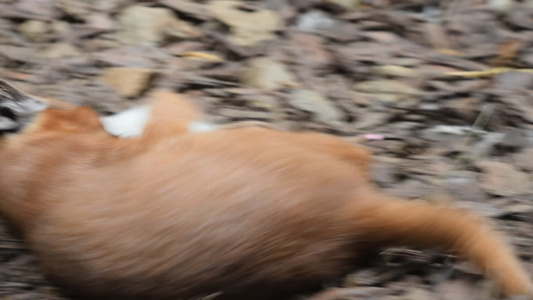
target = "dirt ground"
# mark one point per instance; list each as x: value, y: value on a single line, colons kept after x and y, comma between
x: 439, y: 90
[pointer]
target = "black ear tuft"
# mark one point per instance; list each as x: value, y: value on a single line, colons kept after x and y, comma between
x: 16, y: 107
x: 10, y: 93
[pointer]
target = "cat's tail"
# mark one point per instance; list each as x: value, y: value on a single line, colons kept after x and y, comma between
x: 413, y: 223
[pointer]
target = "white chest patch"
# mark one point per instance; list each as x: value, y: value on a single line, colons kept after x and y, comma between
x: 127, y: 124
x: 199, y: 126
x: 131, y: 123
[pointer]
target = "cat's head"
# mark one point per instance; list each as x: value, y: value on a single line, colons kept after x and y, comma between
x: 19, y: 110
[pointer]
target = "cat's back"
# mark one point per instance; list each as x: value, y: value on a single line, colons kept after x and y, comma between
x: 190, y: 209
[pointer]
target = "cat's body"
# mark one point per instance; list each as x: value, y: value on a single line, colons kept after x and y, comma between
x: 246, y: 212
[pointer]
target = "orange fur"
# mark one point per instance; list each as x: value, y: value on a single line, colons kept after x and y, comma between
x: 249, y: 212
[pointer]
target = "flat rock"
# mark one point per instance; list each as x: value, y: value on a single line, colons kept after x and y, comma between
x: 418, y: 294
x: 371, y: 119
x: 485, y: 209
x: 101, y: 22
x: 524, y: 159
x: 129, y: 82
x: 463, y: 186
x: 386, y: 87
x: 143, y: 25
x: 500, y: 6
x: 150, y: 26
x: 266, y: 73
x: 502, y: 179
x: 60, y: 28
x: 513, y: 81
x: 519, y: 209
x: 411, y: 189
x: 110, y: 5
x: 323, y: 110
x: 76, y: 9
x: 38, y: 9
x: 467, y: 108
x: 127, y: 56
x: 348, y: 4
x: 14, y: 53
x: 35, y: 30
x: 189, y: 7
x: 395, y: 71
x: 247, y: 27
x: 310, y: 49
x: 316, y: 21
x: 384, y: 174
x: 515, y: 138
x: 61, y: 50
x: 456, y: 290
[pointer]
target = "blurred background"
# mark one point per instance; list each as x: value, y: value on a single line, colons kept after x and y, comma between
x: 440, y: 91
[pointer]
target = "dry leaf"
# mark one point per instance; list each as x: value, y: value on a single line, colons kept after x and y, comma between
x: 448, y: 51
x: 200, y: 56
x: 507, y: 53
x: 486, y: 73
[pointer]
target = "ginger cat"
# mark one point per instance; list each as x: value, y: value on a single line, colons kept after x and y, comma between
x: 178, y: 209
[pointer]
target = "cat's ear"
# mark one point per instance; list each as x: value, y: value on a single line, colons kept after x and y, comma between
x: 17, y: 107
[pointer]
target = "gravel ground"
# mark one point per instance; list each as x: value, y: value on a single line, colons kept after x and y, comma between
x: 440, y: 92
